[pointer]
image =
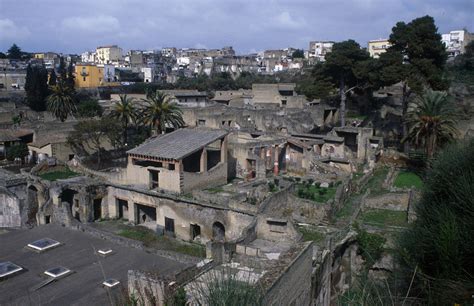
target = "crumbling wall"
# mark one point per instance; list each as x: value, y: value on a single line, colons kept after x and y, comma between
x: 184, y: 212
x: 9, y: 209
x: 214, y: 177
x: 293, y: 286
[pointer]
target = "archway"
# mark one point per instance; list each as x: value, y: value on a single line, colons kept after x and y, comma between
x: 68, y: 196
x: 218, y: 231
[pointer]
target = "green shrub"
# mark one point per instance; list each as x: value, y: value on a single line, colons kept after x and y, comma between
x: 89, y: 108
x: 440, y: 241
x: 371, y: 245
x: 17, y: 151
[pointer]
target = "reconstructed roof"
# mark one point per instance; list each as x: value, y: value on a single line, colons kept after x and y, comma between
x: 13, y: 135
x: 178, y: 144
x: 185, y: 93
x: 46, y: 139
x: 330, y: 138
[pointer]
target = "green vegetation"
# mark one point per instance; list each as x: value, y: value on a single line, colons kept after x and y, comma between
x: 385, y: 217
x: 217, y: 189
x: 310, y: 234
x: 348, y: 208
x: 407, y: 179
x: 160, y: 112
x: 61, y: 102
x: 36, y: 87
x: 224, y: 287
x: 151, y: 239
x: 439, y: 243
x: 376, y: 181
x: 371, y: 245
x: 315, y: 192
x: 62, y: 174
x: 92, y: 134
x: 17, y: 151
x: 89, y: 108
x: 272, y: 187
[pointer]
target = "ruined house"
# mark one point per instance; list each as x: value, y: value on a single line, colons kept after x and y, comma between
x: 277, y: 95
x: 179, y: 161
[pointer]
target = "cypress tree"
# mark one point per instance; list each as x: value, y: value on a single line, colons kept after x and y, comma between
x: 36, y: 87
x: 70, y: 76
x: 52, y: 78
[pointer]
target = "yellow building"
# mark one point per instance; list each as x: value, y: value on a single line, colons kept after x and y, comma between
x: 39, y: 55
x: 88, y: 75
x: 377, y: 47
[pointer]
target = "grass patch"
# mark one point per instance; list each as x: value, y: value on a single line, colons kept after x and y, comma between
x: 139, y: 233
x: 406, y: 179
x: 348, y: 208
x: 384, y: 217
x: 310, y: 234
x: 151, y: 239
x: 315, y: 193
x: 376, y: 181
x: 215, y: 189
x: 58, y: 175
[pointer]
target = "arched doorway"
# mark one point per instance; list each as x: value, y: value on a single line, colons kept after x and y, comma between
x: 69, y: 196
x: 218, y: 231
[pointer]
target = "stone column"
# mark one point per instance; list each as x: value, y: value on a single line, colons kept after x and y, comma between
x: 203, y: 162
x: 224, y: 150
x: 275, y: 162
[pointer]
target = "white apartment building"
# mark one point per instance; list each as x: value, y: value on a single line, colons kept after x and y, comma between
x: 456, y: 41
x: 88, y: 57
x: 108, y: 54
x: 377, y: 47
x: 148, y: 74
x: 319, y: 49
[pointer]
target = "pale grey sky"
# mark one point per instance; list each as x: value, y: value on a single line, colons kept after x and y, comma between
x: 247, y: 25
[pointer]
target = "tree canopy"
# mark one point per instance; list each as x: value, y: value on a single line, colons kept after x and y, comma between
x: 298, y: 53
x: 36, y: 87
x: 14, y: 52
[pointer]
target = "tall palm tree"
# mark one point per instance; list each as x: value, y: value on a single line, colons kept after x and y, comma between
x: 160, y: 112
x: 432, y: 121
x: 125, y: 111
x: 61, y: 102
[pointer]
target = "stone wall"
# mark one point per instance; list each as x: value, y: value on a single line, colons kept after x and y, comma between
x: 183, y: 212
x: 293, y: 285
x: 214, y: 177
x: 9, y: 209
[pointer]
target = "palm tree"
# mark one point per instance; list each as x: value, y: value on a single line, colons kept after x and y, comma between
x: 160, y: 112
x: 432, y: 121
x: 61, y: 102
x: 125, y: 112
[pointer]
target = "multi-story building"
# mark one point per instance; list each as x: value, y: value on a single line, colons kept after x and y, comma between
x: 92, y: 75
x: 168, y: 52
x: 108, y: 54
x: 148, y: 74
x: 456, y: 41
x: 319, y: 49
x: 377, y: 47
x: 88, y: 57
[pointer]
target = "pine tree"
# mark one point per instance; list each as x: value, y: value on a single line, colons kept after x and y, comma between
x: 14, y: 52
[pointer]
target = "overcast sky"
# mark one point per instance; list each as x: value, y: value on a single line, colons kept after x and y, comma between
x: 74, y: 26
